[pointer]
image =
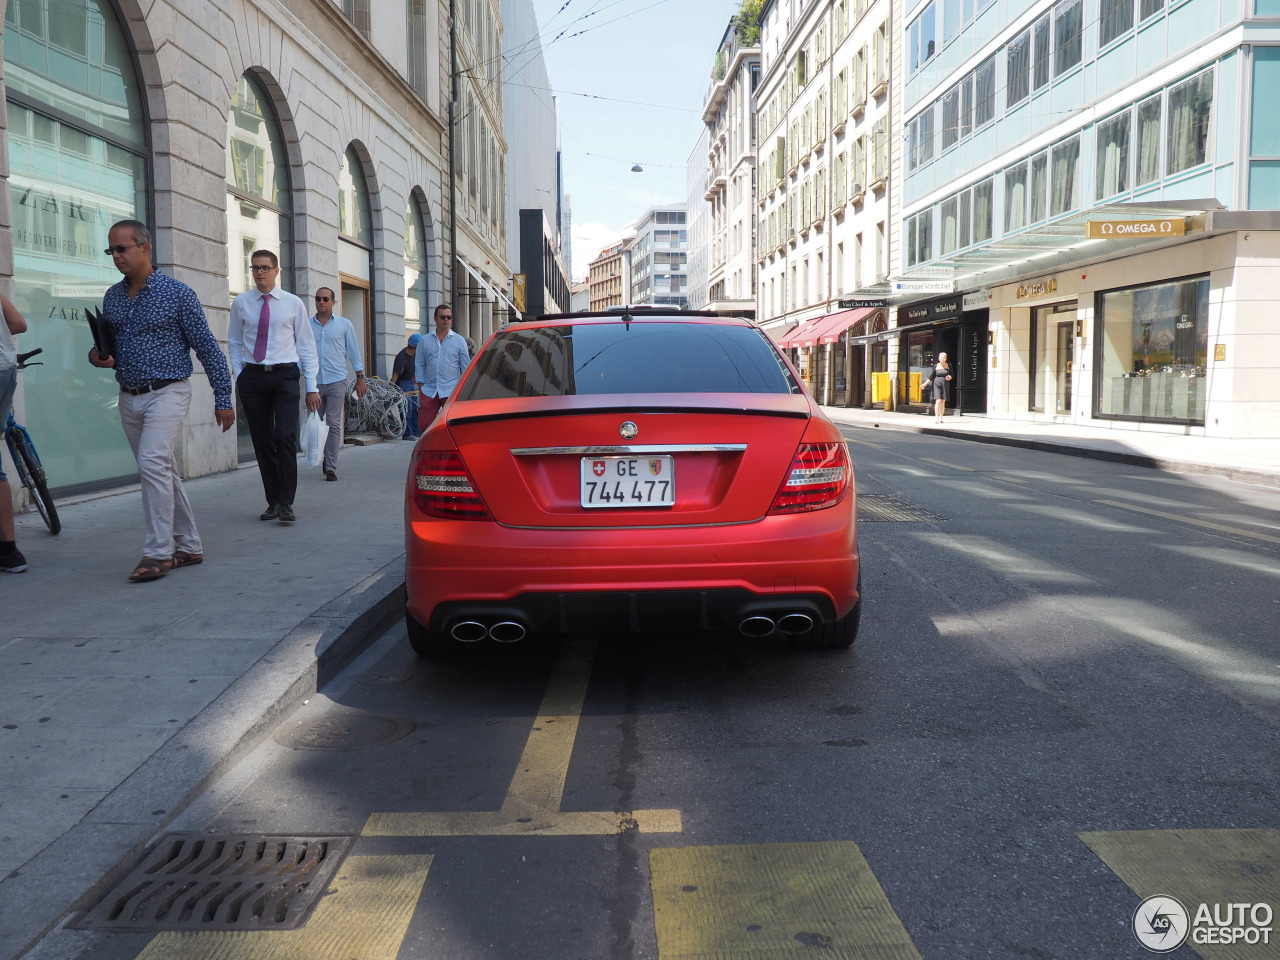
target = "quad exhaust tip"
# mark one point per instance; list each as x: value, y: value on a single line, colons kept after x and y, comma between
x: 795, y: 623
x: 756, y: 626
x: 791, y: 624
x: 469, y: 631
x: 507, y: 631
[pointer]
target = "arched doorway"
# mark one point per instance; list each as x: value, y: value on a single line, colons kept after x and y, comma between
x: 259, y: 201
x: 355, y: 253
x: 78, y: 160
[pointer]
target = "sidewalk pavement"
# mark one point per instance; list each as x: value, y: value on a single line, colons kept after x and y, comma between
x: 1249, y: 461
x: 120, y: 701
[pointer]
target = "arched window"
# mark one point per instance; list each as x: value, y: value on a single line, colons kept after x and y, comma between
x: 259, y: 210
x: 355, y: 253
x: 78, y: 159
x: 416, y: 286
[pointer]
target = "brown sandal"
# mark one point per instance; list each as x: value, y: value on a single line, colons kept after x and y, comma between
x: 150, y: 568
x: 183, y: 559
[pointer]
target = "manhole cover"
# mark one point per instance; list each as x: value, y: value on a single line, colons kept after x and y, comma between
x: 343, y: 731
x: 199, y: 882
x: 382, y: 679
x: 873, y: 508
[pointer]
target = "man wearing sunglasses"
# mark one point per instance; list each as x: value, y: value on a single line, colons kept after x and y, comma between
x: 338, y: 345
x: 271, y: 347
x: 157, y: 322
x: 441, y: 361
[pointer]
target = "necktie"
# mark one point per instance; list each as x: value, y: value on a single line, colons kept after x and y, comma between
x: 264, y: 324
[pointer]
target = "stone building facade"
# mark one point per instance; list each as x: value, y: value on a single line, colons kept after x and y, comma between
x: 310, y: 127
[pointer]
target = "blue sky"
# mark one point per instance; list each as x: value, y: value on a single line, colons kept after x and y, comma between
x: 656, y: 52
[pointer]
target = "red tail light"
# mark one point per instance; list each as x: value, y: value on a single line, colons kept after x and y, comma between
x: 818, y: 478
x: 442, y: 487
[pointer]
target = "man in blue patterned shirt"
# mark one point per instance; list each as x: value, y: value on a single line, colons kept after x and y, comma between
x: 157, y: 322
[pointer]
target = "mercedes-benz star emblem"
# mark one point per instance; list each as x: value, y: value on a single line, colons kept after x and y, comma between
x: 628, y: 430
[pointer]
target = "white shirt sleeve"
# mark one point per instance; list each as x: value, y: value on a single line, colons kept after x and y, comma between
x: 235, y: 338
x: 305, y: 343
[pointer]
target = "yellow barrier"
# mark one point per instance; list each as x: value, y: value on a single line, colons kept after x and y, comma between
x: 879, y: 387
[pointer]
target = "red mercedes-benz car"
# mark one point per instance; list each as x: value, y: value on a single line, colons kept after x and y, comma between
x: 634, y: 471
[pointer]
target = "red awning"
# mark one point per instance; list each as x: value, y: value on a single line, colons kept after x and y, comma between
x: 799, y: 337
x: 841, y: 322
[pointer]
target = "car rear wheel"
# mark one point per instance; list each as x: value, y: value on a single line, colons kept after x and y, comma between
x: 838, y: 635
x: 425, y: 643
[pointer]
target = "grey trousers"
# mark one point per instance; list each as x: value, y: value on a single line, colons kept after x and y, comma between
x: 152, y: 423
x: 333, y: 405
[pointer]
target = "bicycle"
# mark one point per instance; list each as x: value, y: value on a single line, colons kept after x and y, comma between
x: 27, y: 461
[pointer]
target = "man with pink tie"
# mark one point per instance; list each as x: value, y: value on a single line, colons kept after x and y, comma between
x: 270, y: 338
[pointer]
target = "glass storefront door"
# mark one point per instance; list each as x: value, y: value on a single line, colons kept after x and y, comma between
x: 1066, y: 356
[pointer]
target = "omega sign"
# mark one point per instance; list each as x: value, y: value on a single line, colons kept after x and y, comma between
x: 1041, y: 288
x: 1122, y: 229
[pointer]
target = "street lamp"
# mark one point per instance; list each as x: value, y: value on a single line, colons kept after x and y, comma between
x: 636, y: 168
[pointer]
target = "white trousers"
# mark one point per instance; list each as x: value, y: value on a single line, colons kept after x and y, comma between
x: 152, y: 423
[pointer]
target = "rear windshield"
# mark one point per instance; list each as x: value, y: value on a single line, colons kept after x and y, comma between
x: 639, y: 357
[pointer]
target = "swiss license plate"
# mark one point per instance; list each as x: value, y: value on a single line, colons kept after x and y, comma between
x: 628, y: 482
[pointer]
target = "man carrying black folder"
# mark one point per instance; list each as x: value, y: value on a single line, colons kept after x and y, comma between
x: 156, y: 322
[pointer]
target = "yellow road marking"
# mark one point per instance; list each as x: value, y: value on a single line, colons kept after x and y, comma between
x: 1238, y: 531
x: 532, y: 804
x: 365, y: 914
x: 772, y: 901
x: 1198, y: 866
x: 943, y: 463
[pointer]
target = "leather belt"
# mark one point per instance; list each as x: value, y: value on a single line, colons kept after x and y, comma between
x: 153, y: 385
x: 268, y: 367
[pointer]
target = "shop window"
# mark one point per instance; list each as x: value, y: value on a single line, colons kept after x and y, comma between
x: 77, y: 162
x: 259, y: 210
x: 1151, y: 350
x: 1188, y: 136
x: 354, y: 219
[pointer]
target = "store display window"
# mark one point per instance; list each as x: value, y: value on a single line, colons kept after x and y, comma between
x: 1150, y: 351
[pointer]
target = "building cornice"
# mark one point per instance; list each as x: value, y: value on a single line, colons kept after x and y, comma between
x: 720, y: 92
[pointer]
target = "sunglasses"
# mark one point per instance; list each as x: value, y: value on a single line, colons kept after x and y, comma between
x: 323, y: 299
x: 120, y: 248
x: 445, y: 316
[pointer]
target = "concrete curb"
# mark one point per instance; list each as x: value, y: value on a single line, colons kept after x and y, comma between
x: 111, y: 839
x: 1089, y: 453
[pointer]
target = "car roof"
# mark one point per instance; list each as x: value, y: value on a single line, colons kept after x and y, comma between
x: 631, y: 314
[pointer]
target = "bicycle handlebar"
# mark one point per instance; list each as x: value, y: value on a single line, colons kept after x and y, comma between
x: 24, y: 357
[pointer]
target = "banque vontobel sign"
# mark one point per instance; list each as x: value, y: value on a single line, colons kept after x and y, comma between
x: 1127, y: 229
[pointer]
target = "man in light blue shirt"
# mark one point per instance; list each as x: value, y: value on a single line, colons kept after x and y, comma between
x: 441, y: 360
x: 338, y: 345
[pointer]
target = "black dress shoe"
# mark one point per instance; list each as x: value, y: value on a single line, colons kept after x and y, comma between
x: 271, y: 513
x: 330, y: 475
x: 286, y: 513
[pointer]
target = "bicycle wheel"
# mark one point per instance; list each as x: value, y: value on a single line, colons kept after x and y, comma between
x: 35, y: 481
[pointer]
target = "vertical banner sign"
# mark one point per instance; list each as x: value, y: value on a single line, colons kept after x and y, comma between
x: 519, y: 292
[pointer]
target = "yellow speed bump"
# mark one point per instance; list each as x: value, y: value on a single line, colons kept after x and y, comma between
x: 773, y: 901
x: 1217, y: 870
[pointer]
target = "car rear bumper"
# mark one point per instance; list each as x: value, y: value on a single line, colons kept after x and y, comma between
x: 632, y: 579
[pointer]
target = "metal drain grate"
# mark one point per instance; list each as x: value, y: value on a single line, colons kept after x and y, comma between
x: 199, y: 882
x: 873, y: 508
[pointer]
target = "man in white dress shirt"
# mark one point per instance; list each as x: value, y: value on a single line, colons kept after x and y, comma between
x: 270, y: 338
